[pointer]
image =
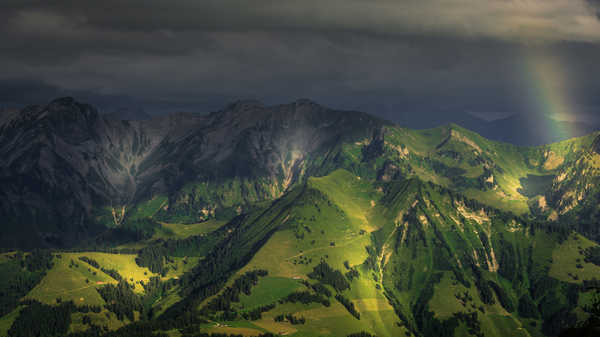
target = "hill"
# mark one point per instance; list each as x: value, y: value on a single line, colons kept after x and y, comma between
x: 292, y: 220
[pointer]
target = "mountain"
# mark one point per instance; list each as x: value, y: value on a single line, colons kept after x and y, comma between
x: 518, y: 129
x: 292, y: 219
x: 69, y: 171
x: 528, y: 130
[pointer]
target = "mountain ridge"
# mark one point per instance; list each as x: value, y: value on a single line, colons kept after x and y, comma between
x: 264, y: 217
x: 256, y: 151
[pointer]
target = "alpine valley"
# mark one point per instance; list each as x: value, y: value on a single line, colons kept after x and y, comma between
x: 291, y: 220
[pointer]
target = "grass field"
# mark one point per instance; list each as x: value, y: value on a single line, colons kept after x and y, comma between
x: 176, y: 231
x: 124, y: 263
x: 566, y: 258
x: 178, y: 268
x: 104, y: 318
x: 182, y: 231
x: 269, y: 290
x: 70, y: 283
x: 346, y: 205
x: 238, y: 327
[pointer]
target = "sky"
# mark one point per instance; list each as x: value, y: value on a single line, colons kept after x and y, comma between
x: 397, y: 59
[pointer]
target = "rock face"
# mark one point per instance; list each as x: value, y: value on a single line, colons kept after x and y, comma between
x: 61, y: 159
x: 64, y: 164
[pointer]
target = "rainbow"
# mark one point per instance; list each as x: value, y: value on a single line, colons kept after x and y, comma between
x: 546, y: 76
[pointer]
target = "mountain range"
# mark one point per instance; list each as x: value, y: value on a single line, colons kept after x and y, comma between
x: 520, y: 129
x: 295, y: 219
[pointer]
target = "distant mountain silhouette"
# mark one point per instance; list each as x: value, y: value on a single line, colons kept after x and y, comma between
x: 518, y: 129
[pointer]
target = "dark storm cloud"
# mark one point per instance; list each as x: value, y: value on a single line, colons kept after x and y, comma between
x: 382, y: 56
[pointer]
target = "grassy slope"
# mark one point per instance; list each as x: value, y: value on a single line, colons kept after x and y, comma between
x: 175, y: 231
x: 335, y: 209
x: 414, y: 151
x: 568, y: 255
x: 69, y: 283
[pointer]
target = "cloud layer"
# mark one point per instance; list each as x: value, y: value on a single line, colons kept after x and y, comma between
x: 378, y: 55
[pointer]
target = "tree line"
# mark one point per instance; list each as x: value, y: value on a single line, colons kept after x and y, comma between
x: 20, y: 274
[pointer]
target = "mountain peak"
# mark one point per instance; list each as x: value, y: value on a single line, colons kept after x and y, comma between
x: 67, y: 108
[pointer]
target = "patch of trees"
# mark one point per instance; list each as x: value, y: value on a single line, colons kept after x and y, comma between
x: 442, y: 169
x: 37, y: 260
x: 211, y: 274
x: 324, y: 273
x: 320, y: 289
x: 90, y: 261
x: 591, y: 326
x: 131, y: 230
x: 424, y: 319
x: 560, y: 320
x: 352, y: 274
x: 502, y: 296
x: 110, y: 272
x: 38, y: 319
x: 527, y: 307
x: 242, y: 284
x: 85, y: 308
x: 187, y: 323
x: 471, y: 321
x: 153, y: 290
x: 98, y: 248
x: 592, y: 255
x: 21, y: 274
x: 305, y: 297
x: 437, y: 328
x: 113, y: 273
x: 121, y: 300
x: 361, y: 334
x: 463, y: 298
x: 542, y: 286
x: 485, y: 292
x: 130, y: 330
x: 592, y: 284
x: 371, y: 260
x: 256, y: 314
x: 348, y: 305
x: 290, y: 318
x: 508, y: 259
x: 155, y: 257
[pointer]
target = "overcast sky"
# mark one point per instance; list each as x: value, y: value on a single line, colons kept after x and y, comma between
x: 444, y: 57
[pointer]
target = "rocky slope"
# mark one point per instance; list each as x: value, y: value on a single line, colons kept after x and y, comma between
x: 69, y: 172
